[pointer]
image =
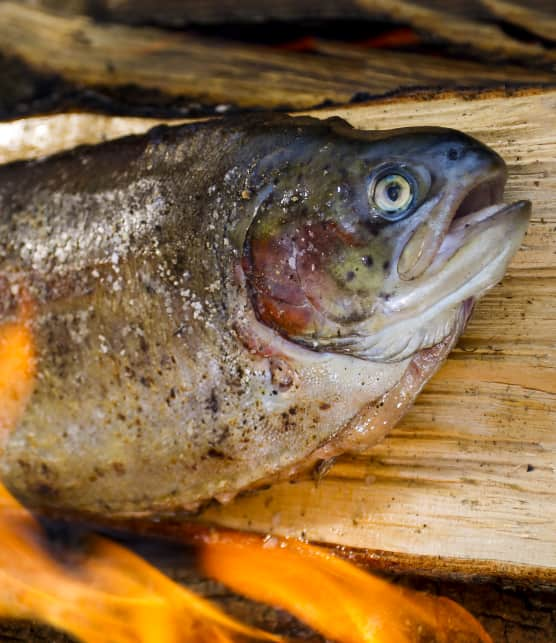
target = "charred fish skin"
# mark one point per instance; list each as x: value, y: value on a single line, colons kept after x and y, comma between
x: 219, y: 304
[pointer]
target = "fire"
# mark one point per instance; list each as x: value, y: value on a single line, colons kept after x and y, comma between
x: 333, y: 596
x: 17, y: 368
x: 105, y: 592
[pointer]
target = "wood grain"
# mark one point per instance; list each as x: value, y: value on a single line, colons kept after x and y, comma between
x: 88, y: 54
x: 470, y: 474
x: 537, y: 17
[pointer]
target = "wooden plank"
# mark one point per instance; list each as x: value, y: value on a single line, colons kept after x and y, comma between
x: 470, y: 474
x: 82, y: 52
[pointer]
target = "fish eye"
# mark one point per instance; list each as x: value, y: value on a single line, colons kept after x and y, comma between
x: 392, y: 194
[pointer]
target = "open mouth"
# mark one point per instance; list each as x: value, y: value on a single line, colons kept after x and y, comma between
x: 480, y: 208
x: 483, y: 235
x: 486, y: 193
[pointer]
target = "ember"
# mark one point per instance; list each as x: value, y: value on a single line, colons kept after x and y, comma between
x: 105, y: 588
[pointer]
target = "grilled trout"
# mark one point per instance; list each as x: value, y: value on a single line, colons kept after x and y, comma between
x: 201, y: 309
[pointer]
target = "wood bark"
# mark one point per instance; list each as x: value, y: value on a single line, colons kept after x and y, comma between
x: 114, y: 57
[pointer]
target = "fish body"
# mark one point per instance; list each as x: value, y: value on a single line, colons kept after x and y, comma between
x: 216, y: 305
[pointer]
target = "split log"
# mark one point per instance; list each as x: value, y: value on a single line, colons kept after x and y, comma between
x: 475, y: 23
x: 114, y: 57
x: 467, y: 482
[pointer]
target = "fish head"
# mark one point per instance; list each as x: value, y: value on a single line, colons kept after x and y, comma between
x: 375, y: 244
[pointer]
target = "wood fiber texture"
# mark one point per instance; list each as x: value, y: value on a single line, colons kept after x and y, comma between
x: 480, y: 24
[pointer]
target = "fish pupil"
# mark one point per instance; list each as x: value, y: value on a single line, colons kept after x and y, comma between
x: 393, y: 191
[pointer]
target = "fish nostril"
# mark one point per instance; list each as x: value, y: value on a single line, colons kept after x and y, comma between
x: 453, y: 154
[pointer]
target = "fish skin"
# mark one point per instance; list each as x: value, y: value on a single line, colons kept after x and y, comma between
x: 174, y: 365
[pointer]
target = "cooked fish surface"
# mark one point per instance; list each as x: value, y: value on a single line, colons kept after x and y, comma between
x: 213, y: 306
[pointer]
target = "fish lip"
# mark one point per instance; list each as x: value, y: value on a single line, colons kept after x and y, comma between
x: 481, y: 201
x: 462, y: 267
x: 463, y: 227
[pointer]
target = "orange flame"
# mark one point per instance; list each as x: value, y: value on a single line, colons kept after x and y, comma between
x: 17, y: 368
x: 107, y: 594
x: 333, y: 596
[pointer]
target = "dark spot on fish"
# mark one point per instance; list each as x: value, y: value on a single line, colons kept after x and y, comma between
x: 324, y: 406
x: 147, y: 382
x: 224, y: 433
x: 215, y: 453
x: 119, y: 468
x: 143, y: 344
x: 367, y: 260
x: 386, y: 266
x: 24, y: 465
x: 293, y: 410
x: 281, y: 374
x: 43, y: 489
x: 212, y: 402
x: 530, y: 467
x: 350, y: 276
x: 374, y: 226
x: 179, y: 331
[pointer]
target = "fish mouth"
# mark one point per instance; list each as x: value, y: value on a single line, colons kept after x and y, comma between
x: 482, y: 236
x: 485, y: 192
